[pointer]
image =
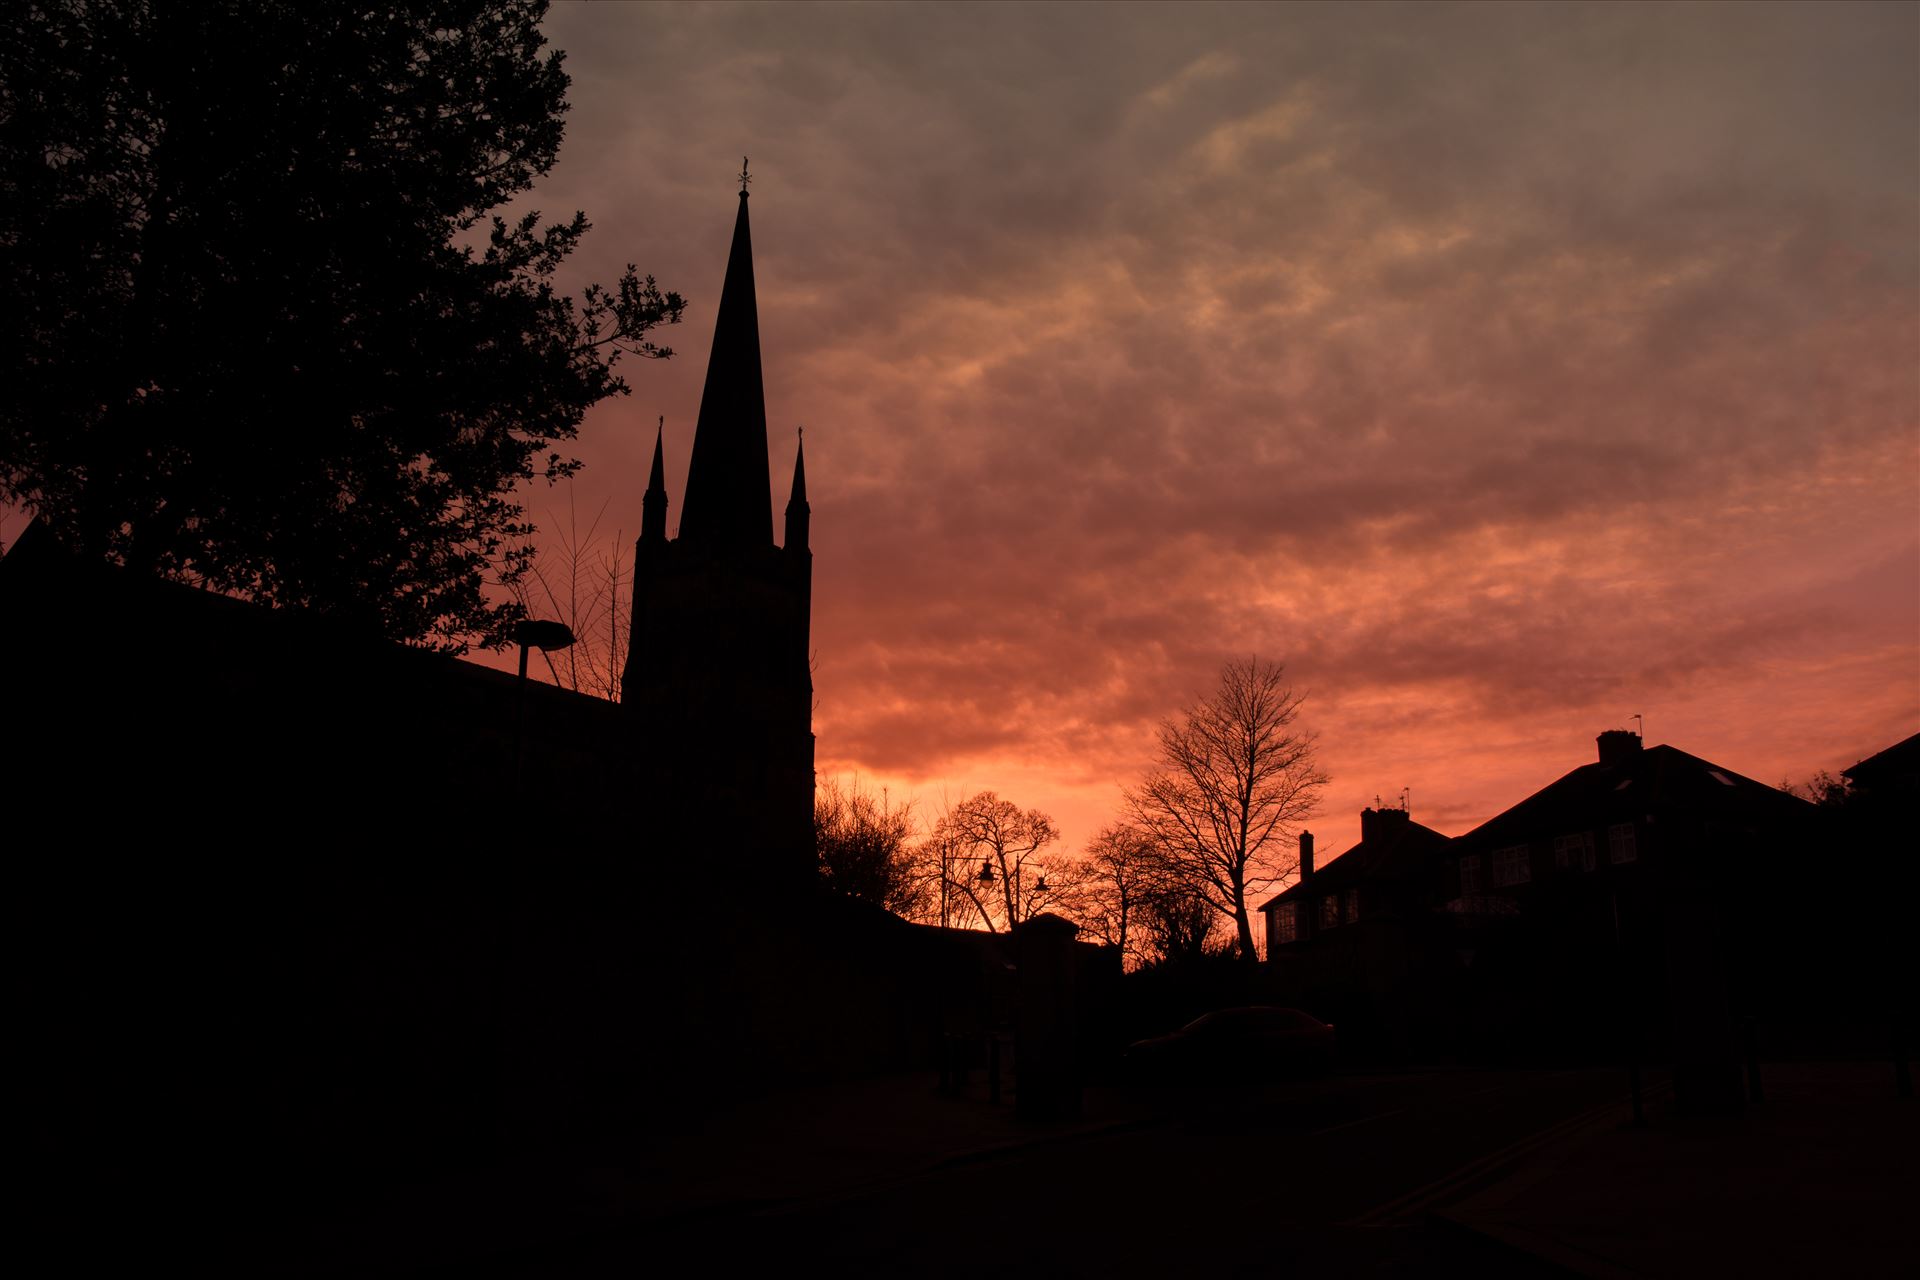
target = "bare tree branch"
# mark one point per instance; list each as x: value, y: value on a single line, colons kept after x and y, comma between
x: 985, y: 836
x: 1235, y: 780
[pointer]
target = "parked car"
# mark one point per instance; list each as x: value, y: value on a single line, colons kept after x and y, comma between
x: 1236, y: 1045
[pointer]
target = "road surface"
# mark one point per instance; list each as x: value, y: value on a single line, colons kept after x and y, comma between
x: 1317, y: 1177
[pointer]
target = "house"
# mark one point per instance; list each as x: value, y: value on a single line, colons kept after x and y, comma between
x: 1869, y: 986
x: 1892, y: 774
x: 1601, y: 823
x: 1388, y: 874
x: 1644, y: 905
x: 1356, y: 941
x: 1634, y: 907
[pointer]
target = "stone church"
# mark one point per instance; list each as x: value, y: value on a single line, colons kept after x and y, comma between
x: 718, y: 685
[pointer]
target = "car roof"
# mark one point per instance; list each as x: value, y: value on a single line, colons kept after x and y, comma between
x: 1239, y: 1012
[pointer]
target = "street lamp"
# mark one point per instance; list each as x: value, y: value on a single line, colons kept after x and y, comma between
x: 986, y: 877
x: 532, y: 633
x: 540, y: 633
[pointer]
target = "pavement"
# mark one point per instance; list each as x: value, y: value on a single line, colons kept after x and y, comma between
x: 1820, y: 1177
x: 786, y: 1148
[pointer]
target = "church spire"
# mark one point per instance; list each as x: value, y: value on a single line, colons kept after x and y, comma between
x: 725, y: 505
x: 798, y: 512
x: 653, y: 507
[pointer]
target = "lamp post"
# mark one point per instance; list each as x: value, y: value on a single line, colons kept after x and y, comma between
x: 1016, y: 917
x: 532, y: 633
x: 986, y: 878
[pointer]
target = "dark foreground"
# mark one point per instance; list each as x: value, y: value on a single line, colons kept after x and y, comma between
x: 1488, y: 1172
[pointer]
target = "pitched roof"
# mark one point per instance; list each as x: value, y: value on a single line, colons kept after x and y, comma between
x: 1660, y: 778
x: 1896, y: 766
x: 1401, y: 851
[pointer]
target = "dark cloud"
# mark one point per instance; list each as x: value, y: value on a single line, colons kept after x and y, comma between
x: 1499, y: 366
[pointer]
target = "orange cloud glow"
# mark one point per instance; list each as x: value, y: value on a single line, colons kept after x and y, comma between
x: 1505, y: 371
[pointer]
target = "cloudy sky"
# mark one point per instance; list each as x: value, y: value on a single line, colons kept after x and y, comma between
x: 1505, y: 371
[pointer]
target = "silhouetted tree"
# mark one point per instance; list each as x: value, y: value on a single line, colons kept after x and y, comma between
x: 1121, y: 875
x: 1177, y: 924
x: 1127, y: 892
x: 863, y: 841
x: 1235, y: 780
x: 1822, y: 789
x: 255, y: 335
x: 983, y: 856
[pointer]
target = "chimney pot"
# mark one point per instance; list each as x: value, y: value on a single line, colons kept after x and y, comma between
x: 1306, y: 856
x: 1380, y: 824
x: 1619, y: 747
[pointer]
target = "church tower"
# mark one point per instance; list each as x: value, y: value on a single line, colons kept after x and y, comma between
x: 718, y: 686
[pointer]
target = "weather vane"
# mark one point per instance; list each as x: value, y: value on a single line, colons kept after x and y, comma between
x: 745, y: 177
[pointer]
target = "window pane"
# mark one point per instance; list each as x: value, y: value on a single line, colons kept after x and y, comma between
x: 1573, y: 852
x: 1620, y: 845
x: 1285, y: 928
x: 1512, y: 865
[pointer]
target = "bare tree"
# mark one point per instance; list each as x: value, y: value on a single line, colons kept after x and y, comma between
x: 579, y: 580
x: 863, y: 841
x: 1111, y: 886
x: 1127, y: 892
x: 984, y: 856
x: 1235, y: 780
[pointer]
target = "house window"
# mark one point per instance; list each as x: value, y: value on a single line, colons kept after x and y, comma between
x: 1511, y: 866
x: 1620, y: 842
x: 1469, y: 875
x: 1330, y: 911
x: 1353, y: 905
x: 1573, y: 853
x: 1286, y: 925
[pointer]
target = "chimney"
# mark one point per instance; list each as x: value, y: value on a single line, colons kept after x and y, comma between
x: 1381, y: 824
x: 1619, y: 747
x: 1306, y: 856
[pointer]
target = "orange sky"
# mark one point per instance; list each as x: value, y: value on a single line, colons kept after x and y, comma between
x: 1505, y: 371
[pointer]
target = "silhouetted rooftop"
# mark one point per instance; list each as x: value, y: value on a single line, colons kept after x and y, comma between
x: 1897, y: 768
x: 1396, y: 849
x: 1657, y: 779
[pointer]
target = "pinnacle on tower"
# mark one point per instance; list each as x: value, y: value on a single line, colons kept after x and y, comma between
x: 653, y: 507
x: 798, y: 512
